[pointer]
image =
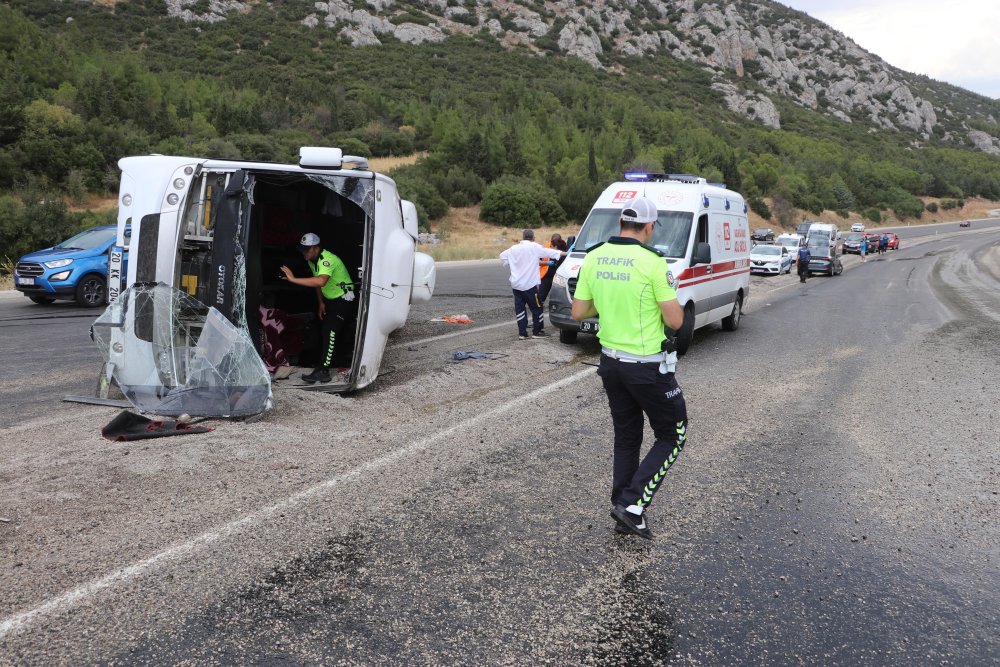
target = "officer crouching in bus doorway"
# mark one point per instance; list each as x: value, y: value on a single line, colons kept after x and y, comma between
x: 624, y: 281
x: 333, y: 291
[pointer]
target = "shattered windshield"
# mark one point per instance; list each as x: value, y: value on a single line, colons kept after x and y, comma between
x: 171, y: 355
x: 361, y: 191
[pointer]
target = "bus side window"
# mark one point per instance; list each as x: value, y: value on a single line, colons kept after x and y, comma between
x: 702, y: 236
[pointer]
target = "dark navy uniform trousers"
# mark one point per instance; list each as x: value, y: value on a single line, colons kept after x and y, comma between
x: 635, y: 389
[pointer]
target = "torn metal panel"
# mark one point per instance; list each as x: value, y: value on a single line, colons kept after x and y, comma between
x: 172, y: 355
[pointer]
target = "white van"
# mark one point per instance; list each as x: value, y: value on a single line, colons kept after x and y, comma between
x: 219, y: 231
x: 792, y: 242
x: 703, y: 234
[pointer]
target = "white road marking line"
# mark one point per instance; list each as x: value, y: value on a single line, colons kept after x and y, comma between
x: 512, y: 325
x: 64, y: 602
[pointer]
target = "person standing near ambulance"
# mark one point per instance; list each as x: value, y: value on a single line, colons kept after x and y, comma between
x: 624, y: 281
x: 334, y: 290
x: 522, y: 260
x: 547, y: 267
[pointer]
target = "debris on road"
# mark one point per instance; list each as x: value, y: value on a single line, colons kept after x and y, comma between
x: 130, y: 426
x: 460, y: 318
x: 462, y: 356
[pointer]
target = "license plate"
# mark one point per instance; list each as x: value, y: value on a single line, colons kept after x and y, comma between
x: 25, y: 281
x: 115, y: 271
x: 590, y: 327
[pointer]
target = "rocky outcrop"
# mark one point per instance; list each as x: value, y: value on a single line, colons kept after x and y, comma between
x: 752, y: 105
x: 985, y: 142
x: 579, y: 40
x: 217, y: 10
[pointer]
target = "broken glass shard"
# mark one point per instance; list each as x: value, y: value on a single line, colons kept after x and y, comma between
x: 172, y: 355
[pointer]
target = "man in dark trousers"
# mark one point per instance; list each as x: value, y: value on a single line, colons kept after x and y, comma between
x: 802, y: 261
x: 333, y: 291
x: 624, y: 281
x: 522, y: 260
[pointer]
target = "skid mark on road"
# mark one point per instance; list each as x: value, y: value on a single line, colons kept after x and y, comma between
x: 69, y: 599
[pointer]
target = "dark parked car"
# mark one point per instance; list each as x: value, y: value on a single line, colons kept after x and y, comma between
x: 765, y: 235
x: 852, y: 243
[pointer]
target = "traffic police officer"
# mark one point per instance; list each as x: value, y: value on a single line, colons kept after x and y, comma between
x: 625, y: 282
x: 333, y: 290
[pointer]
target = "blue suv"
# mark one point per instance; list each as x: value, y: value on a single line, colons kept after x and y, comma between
x: 75, y: 269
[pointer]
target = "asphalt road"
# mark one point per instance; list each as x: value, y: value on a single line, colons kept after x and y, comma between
x: 836, y: 503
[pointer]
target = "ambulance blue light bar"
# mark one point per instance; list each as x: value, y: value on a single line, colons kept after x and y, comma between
x: 648, y: 177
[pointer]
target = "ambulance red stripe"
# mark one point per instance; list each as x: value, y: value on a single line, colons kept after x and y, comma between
x: 697, y: 275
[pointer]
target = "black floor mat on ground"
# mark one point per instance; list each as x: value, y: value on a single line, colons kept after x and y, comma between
x: 130, y: 426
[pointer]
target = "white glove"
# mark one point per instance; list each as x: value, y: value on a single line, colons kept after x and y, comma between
x: 348, y: 296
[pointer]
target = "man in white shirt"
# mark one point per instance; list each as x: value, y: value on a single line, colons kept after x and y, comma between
x: 522, y: 259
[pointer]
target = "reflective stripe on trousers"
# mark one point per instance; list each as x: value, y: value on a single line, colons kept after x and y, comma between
x: 636, y: 390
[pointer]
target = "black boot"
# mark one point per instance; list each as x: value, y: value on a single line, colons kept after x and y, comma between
x: 321, y: 375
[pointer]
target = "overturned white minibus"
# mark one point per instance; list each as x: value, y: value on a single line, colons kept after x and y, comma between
x: 219, y: 231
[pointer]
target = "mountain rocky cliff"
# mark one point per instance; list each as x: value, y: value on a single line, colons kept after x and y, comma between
x: 756, y: 51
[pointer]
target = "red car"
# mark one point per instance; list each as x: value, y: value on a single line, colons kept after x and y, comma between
x: 893, y: 241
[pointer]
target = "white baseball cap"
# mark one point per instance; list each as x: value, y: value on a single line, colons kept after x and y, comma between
x: 308, y: 241
x: 639, y: 210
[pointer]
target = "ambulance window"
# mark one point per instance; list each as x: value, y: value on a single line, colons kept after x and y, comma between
x: 671, y: 233
x: 702, y: 229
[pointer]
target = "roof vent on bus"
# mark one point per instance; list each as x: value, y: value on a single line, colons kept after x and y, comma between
x: 323, y: 157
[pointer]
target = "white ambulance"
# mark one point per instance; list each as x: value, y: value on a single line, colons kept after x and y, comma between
x: 218, y: 231
x: 703, y: 234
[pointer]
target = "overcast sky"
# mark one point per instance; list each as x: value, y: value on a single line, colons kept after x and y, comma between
x: 948, y: 40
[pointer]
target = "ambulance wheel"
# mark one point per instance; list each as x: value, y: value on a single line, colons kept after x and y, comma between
x: 732, y: 323
x: 567, y: 336
x: 686, y: 332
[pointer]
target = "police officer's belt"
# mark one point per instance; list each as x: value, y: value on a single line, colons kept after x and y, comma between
x: 633, y: 358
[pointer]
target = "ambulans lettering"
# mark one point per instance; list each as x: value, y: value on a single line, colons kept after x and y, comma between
x: 740, y: 234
